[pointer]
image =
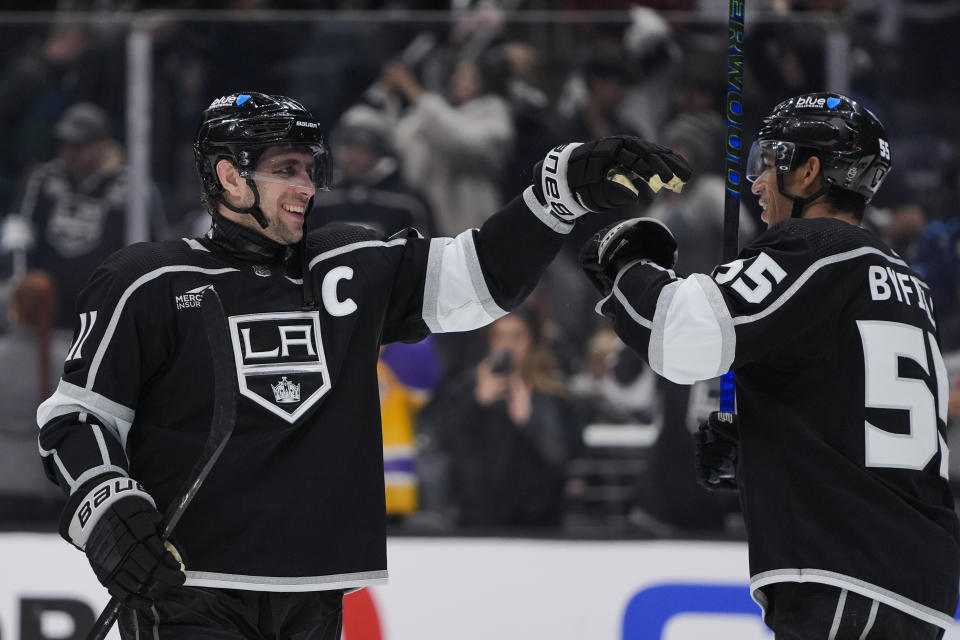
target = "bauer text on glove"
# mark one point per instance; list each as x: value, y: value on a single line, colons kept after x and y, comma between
x: 115, y: 522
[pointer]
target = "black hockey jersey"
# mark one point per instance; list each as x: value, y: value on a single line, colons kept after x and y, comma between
x: 842, y: 397
x: 296, y: 502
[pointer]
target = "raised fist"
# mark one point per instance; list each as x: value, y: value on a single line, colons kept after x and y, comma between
x: 577, y: 178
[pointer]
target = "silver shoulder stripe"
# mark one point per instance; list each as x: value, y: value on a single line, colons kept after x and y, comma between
x: 118, y: 310
x: 808, y: 273
x: 195, y: 245
x: 332, y: 253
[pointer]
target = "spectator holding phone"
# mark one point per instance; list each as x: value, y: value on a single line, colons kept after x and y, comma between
x: 506, y: 428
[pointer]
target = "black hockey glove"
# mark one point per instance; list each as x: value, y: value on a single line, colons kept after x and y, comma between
x: 614, y: 246
x: 115, y: 522
x: 716, y: 448
x: 577, y: 178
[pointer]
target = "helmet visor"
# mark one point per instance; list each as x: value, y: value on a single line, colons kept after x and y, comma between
x: 300, y: 166
x: 770, y: 154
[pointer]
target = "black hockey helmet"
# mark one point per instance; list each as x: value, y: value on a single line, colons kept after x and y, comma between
x: 240, y: 126
x: 849, y: 140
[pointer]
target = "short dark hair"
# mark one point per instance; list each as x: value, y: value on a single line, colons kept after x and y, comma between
x: 836, y: 198
x: 846, y: 200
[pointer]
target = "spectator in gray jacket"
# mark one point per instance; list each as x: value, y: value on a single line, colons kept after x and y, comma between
x: 454, y: 149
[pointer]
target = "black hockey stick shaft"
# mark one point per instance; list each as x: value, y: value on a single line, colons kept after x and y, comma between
x: 224, y: 419
x: 733, y: 163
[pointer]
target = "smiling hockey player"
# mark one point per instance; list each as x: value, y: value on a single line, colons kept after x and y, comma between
x: 841, y: 389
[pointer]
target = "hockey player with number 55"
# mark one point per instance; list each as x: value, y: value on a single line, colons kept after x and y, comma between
x: 841, y: 455
x: 293, y: 513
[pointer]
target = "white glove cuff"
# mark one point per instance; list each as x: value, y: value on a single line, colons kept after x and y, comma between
x: 96, y: 502
x: 544, y: 214
x: 561, y: 201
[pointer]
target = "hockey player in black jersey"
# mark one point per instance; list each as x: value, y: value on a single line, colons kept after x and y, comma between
x: 841, y: 462
x: 293, y: 514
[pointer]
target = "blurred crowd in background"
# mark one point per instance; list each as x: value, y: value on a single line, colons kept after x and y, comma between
x: 543, y: 424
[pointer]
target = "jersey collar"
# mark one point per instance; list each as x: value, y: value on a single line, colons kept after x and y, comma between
x: 245, y: 243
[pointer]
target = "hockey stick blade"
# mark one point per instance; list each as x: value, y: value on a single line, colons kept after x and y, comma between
x: 225, y: 395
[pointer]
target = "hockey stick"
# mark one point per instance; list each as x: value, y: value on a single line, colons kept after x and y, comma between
x: 733, y: 163
x: 221, y: 428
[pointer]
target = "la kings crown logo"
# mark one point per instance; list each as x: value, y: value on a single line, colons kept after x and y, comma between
x: 285, y: 392
x: 280, y: 361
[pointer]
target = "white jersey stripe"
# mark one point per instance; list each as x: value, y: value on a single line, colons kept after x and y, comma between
x: 944, y: 458
x: 83, y: 340
x: 728, y: 333
x: 195, y: 245
x: 285, y: 584
x: 118, y: 310
x: 101, y: 443
x: 80, y: 336
x: 339, y: 251
x: 63, y: 471
x: 838, y: 615
x: 655, y: 355
x: 455, y: 294
x: 842, y: 581
x: 808, y: 273
x: 479, y: 282
x: 871, y: 618
x: 701, y: 343
x: 69, y: 398
x: 692, y: 337
x: 622, y: 299
x: 633, y: 313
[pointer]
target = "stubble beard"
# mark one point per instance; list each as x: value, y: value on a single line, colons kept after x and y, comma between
x: 279, y: 232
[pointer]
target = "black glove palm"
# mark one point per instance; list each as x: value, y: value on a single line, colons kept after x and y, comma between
x: 716, y: 449
x: 128, y: 557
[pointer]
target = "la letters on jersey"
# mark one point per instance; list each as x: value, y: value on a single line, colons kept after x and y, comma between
x: 280, y: 361
x: 887, y: 283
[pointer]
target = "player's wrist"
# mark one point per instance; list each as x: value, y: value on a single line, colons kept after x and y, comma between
x: 88, y: 504
x: 536, y: 205
x: 552, y: 188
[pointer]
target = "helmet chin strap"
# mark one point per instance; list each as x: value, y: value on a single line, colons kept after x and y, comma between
x: 253, y: 210
x: 306, y: 291
x: 799, y: 203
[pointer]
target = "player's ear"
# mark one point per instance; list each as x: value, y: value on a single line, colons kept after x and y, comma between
x: 230, y: 178
x: 809, y: 173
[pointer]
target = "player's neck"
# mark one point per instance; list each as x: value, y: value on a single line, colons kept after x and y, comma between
x: 822, y: 210
x: 246, y: 243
